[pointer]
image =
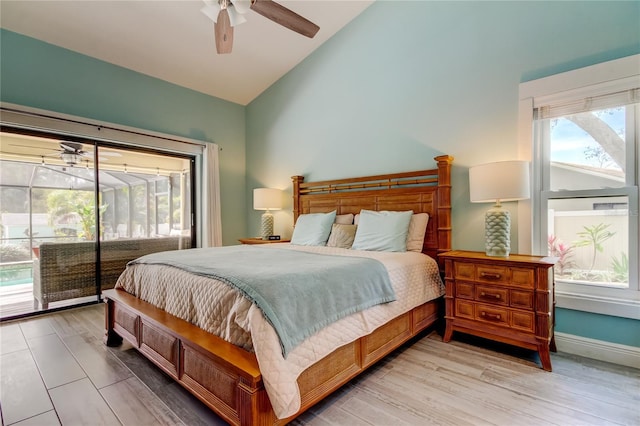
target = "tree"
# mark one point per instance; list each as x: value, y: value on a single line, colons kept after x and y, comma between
x: 69, y: 203
x: 599, y: 154
x: 603, y: 134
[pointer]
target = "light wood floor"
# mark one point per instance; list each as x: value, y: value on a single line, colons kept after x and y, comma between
x: 54, y: 369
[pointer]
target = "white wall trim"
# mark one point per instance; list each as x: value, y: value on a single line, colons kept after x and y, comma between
x: 598, y: 349
x: 598, y: 304
x: 50, y: 121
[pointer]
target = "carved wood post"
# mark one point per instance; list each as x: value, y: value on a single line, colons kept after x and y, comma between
x: 444, y: 204
x: 297, y: 180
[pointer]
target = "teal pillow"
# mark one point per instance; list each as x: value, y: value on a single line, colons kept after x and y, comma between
x: 313, y: 229
x: 382, y: 231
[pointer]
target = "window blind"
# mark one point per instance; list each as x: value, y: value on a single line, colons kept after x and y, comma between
x: 591, y: 103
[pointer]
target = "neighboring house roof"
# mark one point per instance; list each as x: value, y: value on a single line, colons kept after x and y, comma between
x: 596, y: 172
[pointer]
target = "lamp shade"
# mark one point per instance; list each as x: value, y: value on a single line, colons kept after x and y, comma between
x: 267, y: 199
x: 499, y: 181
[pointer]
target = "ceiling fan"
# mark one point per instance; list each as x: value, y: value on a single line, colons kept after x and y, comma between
x: 226, y: 14
x: 72, y: 153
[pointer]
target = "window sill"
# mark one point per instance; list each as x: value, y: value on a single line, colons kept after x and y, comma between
x: 625, y: 308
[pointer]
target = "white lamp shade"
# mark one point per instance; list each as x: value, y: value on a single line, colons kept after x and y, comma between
x: 267, y: 199
x: 500, y: 181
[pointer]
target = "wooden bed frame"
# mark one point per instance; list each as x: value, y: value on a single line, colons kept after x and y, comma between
x: 227, y: 378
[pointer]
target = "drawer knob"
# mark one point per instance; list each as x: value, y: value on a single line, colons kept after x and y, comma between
x: 490, y: 275
x: 489, y: 316
x: 496, y: 296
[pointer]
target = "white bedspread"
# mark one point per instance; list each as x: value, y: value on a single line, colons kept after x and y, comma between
x: 223, y: 311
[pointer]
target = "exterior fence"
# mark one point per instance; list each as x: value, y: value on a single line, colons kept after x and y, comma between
x: 587, y: 262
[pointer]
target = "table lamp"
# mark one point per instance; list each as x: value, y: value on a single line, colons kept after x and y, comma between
x: 267, y: 199
x: 498, y: 182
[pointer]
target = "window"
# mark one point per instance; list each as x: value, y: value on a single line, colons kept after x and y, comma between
x: 76, y: 209
x: 582, y: 129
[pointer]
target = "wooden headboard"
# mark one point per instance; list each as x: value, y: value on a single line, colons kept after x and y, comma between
x: 425, y: 191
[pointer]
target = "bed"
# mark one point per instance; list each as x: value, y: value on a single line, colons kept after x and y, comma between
x: 227, y: 376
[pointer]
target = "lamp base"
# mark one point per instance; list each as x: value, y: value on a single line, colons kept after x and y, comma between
x: 497, y: 226
x: 266, y: 226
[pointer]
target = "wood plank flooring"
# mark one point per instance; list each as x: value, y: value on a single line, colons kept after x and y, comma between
x: 54, y: 370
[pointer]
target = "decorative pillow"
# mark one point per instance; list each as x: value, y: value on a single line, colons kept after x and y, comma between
x: 344, y: 219
x: 313, y: 229
x: 382, y: 231
x: 417, y: 229
x: 356, y: 219
x: 342, y: 235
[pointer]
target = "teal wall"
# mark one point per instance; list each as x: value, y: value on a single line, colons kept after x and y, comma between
x: 406, y: 81
x: 40, y: 75
x: 618, y: 330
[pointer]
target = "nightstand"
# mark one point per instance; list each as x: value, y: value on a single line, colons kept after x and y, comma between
x: 507, y: 299
x: 258, y: 240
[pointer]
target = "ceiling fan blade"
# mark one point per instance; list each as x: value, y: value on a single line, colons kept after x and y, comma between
x: 224, y: 33
x: 109, y: 153
x: 71, y: 146
x: 33, y: 146
x: 285, y: 17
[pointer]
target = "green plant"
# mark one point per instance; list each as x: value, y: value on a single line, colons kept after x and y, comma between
x: 62, y: 203
x: 88, y: 219
x: 620, y: 268
x: 13, y: 253
x: 594, y: 236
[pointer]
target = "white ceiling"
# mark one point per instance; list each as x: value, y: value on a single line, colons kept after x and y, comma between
x: 173, y: 41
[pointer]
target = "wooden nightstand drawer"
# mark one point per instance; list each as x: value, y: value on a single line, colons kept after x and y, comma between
x: 464, y: 290
x: 524, y: 277
x: 525, y: 321
x: 492, y: 314
x: 464, y: 271
x: 493, y: 295
x: 521, y: 299
x: 464, y: 309
x: 492, y: 274
x: 511, y: 318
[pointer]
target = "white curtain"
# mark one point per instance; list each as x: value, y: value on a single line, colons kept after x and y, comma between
x: 211, y: 220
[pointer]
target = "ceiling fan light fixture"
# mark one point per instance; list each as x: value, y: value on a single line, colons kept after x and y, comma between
x: 235, y: 18
x: 242, y: 6
x: 69, y: 158
x: 211, y: 11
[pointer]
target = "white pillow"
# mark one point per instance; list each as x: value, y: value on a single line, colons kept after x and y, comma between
x: 344, y: 219
x: 313, y: 229
x: 382, y: 231
x: 417, y: 229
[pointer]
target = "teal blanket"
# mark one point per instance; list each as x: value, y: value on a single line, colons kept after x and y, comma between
x: 298, y: 292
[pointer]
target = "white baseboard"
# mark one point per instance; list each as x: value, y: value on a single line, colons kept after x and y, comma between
x: 598, y: 349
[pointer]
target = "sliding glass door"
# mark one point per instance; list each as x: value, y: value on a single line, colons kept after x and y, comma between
x: 75, y: 211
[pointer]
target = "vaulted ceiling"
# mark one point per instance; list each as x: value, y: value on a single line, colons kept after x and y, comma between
x: 174, y: 41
